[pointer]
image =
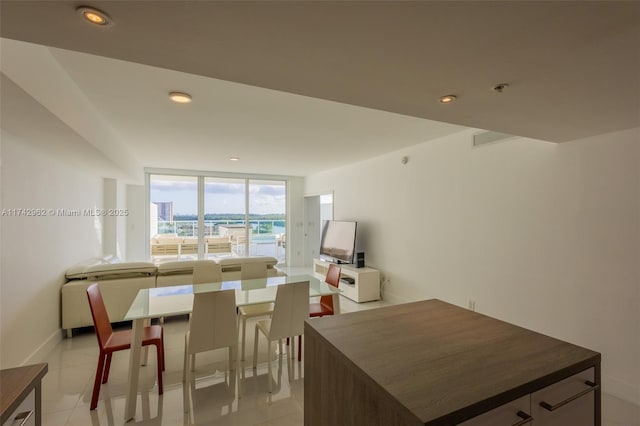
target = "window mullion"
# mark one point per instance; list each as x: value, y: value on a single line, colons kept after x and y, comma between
x: 246, y: 218
x: 201, y: 248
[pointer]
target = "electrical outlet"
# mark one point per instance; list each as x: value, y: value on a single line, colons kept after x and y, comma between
x: 472, y: 305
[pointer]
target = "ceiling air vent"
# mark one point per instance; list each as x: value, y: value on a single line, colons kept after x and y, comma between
x: 489, y: 137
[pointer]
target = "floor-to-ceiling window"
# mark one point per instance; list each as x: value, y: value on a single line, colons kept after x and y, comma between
x: 225, y: 209
x: 173, y: 217
x: 196, y: 217
x: 267, y: 216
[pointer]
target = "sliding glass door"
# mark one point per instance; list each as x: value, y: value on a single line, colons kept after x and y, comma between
x: 267, y: 216
x: 200, y: 217
x: 173, y: 217
x: 225, y: 207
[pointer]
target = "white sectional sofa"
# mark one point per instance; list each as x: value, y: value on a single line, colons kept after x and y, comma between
x: 181, y: 272
x: 120, y: 281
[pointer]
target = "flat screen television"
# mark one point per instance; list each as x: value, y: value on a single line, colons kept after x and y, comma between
x: 338, y: 241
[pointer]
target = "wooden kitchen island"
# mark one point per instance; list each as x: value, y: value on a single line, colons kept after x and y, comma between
x: 432, y: 363
x: 21, y: 395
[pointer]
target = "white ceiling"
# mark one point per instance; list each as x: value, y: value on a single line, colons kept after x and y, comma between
x: 293, y: 88
x: 271, y: 132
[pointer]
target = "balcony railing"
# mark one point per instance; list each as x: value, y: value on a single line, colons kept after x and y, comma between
x: 189, y: 228
x: 266, y: 238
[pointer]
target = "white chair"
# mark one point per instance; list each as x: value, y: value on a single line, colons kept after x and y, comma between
x: 250, y: 271
x: 212, y: 326
x: 290, y: 311
x: 206, y: 271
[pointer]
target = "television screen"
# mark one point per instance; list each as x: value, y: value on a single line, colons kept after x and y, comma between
x: 338, y: 240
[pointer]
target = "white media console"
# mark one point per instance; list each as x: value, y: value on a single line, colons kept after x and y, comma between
x: 366, y: 281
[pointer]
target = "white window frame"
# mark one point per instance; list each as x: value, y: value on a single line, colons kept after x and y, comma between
x: 201, y: 175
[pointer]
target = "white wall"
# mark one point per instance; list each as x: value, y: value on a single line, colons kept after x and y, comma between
x: 37, y: 250
x: 121, y: 220
x: 115, y: 218
x: 312, y: 226
x: 135, y: 199
x: 295, y: 221
x: 109, y: 222
x: 546, y: 236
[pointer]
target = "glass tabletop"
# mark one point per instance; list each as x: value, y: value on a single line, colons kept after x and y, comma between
x: 177, y: 300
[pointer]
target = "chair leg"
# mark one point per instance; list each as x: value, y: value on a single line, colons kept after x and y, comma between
x: 255, y: 349
x: 186, y: 379
x: 244, y: 331
x: 231, y: 357
x: 96, y: 383
x: 162, y: 341
x: 237, y: 375
x: 105, y: 375
x: 160, y: 361
x: 300, y: 348
x: 186, y: 360
x: 269, y: 363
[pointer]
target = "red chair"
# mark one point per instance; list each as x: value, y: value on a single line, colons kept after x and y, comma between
x: 110, y: 342
x: 325, y: 307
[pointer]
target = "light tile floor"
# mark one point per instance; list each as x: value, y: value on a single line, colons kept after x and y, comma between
x: 68, y: 385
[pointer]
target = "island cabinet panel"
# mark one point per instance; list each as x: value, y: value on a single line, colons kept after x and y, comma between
x: 568, y: 402
x: 516, y: 412
x: 432, y: 363
x: 24, y: 415
x: 343, y: 397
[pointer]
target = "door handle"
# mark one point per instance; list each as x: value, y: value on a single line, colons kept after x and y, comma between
x: 526, y: 418
x: 23, y: 417
x: 591, y: 388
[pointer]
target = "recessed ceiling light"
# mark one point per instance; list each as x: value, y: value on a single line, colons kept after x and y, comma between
x: 94, y: 15
x: 180, y: 97
x: 447, y: 99
x: 234, y: 159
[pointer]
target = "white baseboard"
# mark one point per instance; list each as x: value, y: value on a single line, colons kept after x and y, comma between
x: 392, y: 298
x: 620, y: 389
x: 44, y: 349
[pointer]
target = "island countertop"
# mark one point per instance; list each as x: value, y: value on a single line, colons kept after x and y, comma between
x: 434, y: 362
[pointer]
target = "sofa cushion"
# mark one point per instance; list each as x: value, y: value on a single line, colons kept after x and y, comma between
x: 179, y: 267
x: 182, y: 267
x: 78, y: 270
x: 121, y: 270
x: 101, y: 269
x: 237, y: 261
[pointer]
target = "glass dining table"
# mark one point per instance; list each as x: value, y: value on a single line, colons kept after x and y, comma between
x: 178, y: 300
